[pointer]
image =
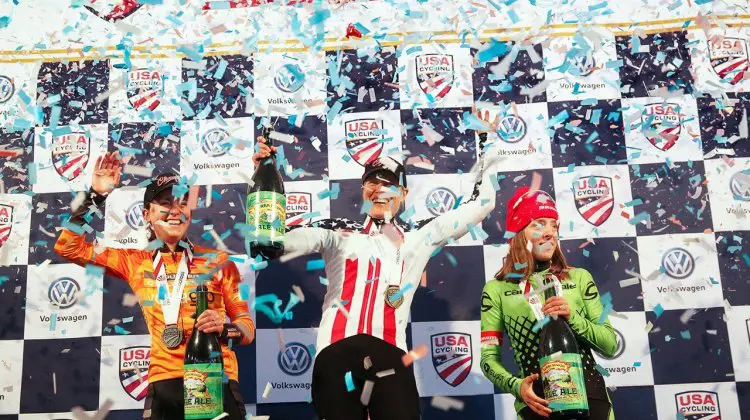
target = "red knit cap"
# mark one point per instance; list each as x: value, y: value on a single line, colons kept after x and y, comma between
x: 526, y: 206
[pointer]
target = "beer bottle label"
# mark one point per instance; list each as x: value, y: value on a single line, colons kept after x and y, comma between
x: 202, y: 385
x: 266, y: 211
x: 563, y: 383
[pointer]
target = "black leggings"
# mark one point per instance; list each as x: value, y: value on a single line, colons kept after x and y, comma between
x: 165, y: 401
x: 598, y: 410
x: 394, y: 397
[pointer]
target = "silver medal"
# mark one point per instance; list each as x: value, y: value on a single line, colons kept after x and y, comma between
x: 171, y: 336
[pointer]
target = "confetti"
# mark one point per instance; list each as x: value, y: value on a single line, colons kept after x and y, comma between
x: 349, y: 381
x: 414, y: 355
x: 266, y: 390
x: 384, y: 373
x: 446, y: 403
x: 364, y: 398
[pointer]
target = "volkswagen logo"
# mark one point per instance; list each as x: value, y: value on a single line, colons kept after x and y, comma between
x: 295, y: 359
x: 440, y: 200
x: 134, y: 216
x: 7, y: 89
x: 678, y: 263
x: 289, y: 78
x: 512, y: 129
x: 740, y: 185
x: 63, y: 292
x: 215, y: 142
x: 584, y: 63
x: 620, y: 346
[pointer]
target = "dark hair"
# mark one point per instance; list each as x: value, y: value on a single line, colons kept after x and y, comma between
x: 518, y: 253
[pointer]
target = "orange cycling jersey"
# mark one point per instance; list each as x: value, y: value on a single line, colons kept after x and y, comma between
x: 135, y: 267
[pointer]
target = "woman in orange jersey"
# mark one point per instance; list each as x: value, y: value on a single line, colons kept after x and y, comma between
x: 166, y: 278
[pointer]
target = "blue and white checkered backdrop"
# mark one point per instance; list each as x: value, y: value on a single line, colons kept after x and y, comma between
x: 640, y: 134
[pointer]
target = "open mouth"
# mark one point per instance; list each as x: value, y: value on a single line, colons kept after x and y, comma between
x: 380, y: 201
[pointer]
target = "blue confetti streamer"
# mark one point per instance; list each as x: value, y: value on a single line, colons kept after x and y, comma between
x: 349, y: 381
x: 313, y: 265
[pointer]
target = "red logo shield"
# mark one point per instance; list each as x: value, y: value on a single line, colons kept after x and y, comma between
x: 698, y: 405
x: 70, y: 154
x: 729, y: 58
x: 662, y: 123
x: 6, y: 222
x: 113, y: 10
x: 435, y: 74
x: 364, y: 139
x: 451, y: 356
x: 594, y: 198
x: 145, y: 88
x: 134, y: 363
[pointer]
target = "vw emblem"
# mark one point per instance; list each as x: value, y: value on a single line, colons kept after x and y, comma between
x: 7, y: 89
x: 440, y: 200
x: 512, y: 129
x: 63, y: 292
x: 134, y: 216
x: 289, y: 78
x: 295, y: 359
x: 740, y: 185
x: 678, y: 263
x: 215, y: 142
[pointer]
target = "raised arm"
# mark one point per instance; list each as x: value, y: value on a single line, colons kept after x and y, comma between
x: 304, y: 240
x: 240, y: 327
x: 493, y: 330
x: 72, y: 244
x: 600, y: 336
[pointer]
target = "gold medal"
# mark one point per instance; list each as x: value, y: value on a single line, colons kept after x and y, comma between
x: 393, y: 296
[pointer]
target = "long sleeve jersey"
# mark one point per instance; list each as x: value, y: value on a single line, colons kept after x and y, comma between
x: 135, y: 267
x: 360, y: 260
x: 505, y: 311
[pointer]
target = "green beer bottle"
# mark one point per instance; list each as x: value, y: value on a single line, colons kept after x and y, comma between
x: 204, y: 369
x: 561, y: 368
x: 266, y: 208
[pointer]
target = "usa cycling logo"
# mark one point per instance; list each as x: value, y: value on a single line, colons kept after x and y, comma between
x: 678, y: 263
x: 134, y: 363
x: 739, y: 184
x: 134, y: 216
x: 295, y: 359
x: 452, y: 356
x: 215, y: 142
x: 440, y: 201
x: 7, y: 89
x: 289, y: 78
x: 511, y: 128
x: 6, y: 222
x: 698, y: 405
x: 729, y: 58
x: 63, y: 292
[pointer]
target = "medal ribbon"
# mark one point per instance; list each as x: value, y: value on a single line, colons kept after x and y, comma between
x: 171, y: 300
x: 536, y: 301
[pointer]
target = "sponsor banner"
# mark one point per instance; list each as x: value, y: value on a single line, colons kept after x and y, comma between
x: 124, y: 370
x: 65, y: 160
x: 729, y: 192
x: 522, y: 140
x: 681, y: 271
x: 63, y: 301
x: 125, y: 226
x: 700, y: 401
x: 16, y: 81
x: 436, y: 194
x: 436, y: 76
x: 720, y: 57
x: 631, y: 363
x: 658, y: 129
x: 578, y: 71
x: 496, y: 254
x: 452, y: 366
x: 729, y: 58
x: 218, y: 152
x: 15, y: 225
x: 284, y: 374
x: 357, y: 138
x: 590, y: 201
x: 302, y: 203
x: 738, y: 328
x: 289, y: 84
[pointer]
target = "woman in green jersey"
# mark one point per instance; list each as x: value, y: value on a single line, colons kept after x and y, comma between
x: 509, y: 309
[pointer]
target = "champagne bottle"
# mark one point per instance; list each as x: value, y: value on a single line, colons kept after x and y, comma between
x: 266, y: 208
x: 561, y: 367
x: 204, y: 369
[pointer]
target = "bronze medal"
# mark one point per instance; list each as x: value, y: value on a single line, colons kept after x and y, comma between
x: 393, y: 296
x: 171, y: 336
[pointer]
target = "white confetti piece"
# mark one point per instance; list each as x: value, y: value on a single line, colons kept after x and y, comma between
x: 129, y: 300
x: 220, y: 416
x: 556, y: 355
x: 384, y: 373
x: 266, y: 390
x: 138, y: 170
x: 367, y: 362
x: 616, y: 255
x: 364, y: 398
x: 298, y: 292
x: 54, y: 383
x: 685, y: 317
x: 77, y: 201
x: 629, y: 282
x: 446, y: 403
x: 649, y: 327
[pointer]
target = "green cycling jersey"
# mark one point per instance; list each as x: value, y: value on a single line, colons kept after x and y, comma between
x: 506, y: 312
